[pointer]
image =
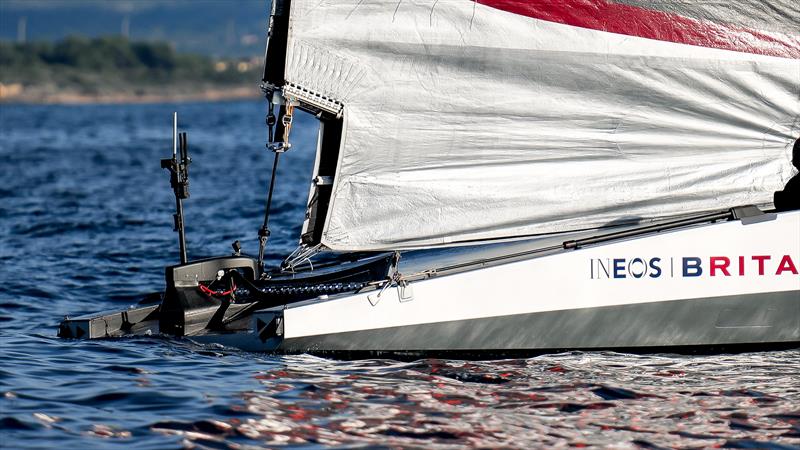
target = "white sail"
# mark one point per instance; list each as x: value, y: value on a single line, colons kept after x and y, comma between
x: 477, y: 120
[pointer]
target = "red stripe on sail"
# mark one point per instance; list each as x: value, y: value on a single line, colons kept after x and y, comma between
x: 629, y: 20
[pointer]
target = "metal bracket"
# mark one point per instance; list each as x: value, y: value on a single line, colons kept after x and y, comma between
x: 375, y: 298
x: 323, y: 180
x: 405, y: 291
x: 269, y: 329
x: 280, y: 147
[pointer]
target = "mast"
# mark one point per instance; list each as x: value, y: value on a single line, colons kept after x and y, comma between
x: 273, y: 79
x: 275, y: 52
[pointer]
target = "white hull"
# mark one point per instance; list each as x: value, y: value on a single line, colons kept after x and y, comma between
x: 719, y: 284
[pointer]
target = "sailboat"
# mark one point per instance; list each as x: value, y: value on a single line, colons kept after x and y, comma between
x: 499, y: 177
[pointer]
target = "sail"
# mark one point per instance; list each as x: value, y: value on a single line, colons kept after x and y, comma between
x: 469, y: 120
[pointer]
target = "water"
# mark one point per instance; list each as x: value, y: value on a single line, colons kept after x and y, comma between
x: 85, y: 226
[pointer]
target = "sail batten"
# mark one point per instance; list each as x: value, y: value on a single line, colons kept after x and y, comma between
x: 466, y: 121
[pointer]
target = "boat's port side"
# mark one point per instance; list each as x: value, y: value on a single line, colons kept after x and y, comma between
x: 713, y: 322
x: 718, y: 285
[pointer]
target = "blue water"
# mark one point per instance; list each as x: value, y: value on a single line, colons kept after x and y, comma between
x: 86, y: 226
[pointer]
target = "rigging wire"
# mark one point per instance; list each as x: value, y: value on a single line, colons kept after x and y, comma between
x: 281, y: 127
x: 263, y: 232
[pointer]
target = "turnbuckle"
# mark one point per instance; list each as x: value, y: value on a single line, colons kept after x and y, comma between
x: 287, y: 116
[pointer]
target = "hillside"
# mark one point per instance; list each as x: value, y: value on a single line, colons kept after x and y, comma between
x: 79, y: 69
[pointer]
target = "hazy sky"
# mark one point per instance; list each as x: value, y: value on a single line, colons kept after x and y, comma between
x: 219, y: 27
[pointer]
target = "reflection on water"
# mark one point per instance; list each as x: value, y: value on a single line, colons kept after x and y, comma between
x: 85, y: 225
x: 573, y: 399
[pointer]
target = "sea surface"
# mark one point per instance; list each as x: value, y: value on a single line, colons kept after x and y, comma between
x: 86, y: 226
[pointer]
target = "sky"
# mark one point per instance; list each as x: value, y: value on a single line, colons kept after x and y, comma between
x: 227, y: 28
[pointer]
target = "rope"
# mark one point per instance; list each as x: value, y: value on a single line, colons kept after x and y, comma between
x: 206, y: 290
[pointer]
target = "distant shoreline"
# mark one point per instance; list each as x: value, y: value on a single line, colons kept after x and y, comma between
x: 10, y: 94
x: 113, y: 69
